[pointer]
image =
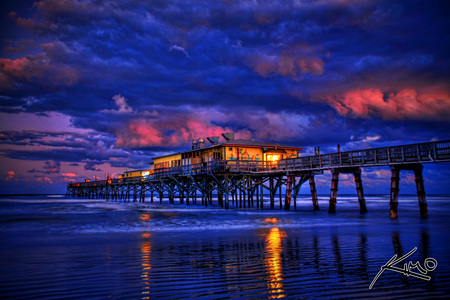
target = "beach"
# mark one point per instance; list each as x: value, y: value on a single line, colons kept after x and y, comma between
x: 58, y: 248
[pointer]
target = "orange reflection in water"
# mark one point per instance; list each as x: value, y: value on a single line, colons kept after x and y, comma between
x: 271, y: 221
x: 274, y: 248
x: 145, y: 217
x: 146, y: 266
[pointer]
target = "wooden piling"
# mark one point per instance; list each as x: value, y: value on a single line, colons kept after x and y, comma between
x: 359, y: 190
x: 257, y: 195
x: 261, y: 195
x: 421, y: 191
x: 272, y: 193
x: 280, y: 183
x: 287, y: 204
x: 395, y: 178
x: 334, y: 189
x: 312, y: 186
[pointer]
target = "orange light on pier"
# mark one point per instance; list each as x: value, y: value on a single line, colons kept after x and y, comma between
x: 273, y: 157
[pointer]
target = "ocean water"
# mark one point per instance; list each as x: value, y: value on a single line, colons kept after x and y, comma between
x: 57, y: 248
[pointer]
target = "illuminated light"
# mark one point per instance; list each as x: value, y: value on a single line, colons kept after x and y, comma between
x: 145, y: 173
x: 273, y: 157
x: 146, y: 235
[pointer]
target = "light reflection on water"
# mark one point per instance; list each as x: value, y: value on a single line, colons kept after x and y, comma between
x: 146, y: 249
x: 274, y: 248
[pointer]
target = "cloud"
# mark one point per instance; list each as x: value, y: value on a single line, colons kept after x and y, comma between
x: 428, y: 103
x: 91, y: 165
x: 122, y: 105
x: 51, y: 166
x: 124, y: 109
x: 291, y: 62
x: 89, y: 149
x: 175, y: 127
x: 37, y: 68
x: 43, y: 180
x: 180, y: 49
x: 10, y: 175
x: 69, y: 174
x: 20, y: 46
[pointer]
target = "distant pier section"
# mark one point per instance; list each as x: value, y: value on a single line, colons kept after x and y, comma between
x: 239, y: 173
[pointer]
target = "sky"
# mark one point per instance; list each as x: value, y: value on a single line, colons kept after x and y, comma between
x: 91, y: 88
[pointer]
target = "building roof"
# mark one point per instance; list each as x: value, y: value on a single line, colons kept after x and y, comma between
x: 258, y: 144
x: 238, y: 143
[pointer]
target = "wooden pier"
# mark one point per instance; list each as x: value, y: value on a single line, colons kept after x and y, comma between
x: 244, y: 184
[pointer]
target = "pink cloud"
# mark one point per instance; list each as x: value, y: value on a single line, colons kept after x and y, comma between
x: 34, y: 68
x: 43, y: 179
x: 11, y: 175
x: 152, y: 132
x: 177, y: 128
x: 69, y: 175
x: 407, y: 103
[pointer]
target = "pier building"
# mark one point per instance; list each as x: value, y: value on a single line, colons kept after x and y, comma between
x: 229, y: 150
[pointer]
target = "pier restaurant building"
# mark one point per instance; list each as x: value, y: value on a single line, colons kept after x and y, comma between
x: 230, y: 150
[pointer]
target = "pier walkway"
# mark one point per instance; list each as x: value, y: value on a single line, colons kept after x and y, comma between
x: 242, y: 183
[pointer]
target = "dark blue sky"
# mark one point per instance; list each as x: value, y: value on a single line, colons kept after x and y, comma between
x: 89, y: 88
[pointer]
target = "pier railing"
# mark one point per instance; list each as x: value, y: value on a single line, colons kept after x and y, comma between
x: 218, y: 166
x: 405, y: 154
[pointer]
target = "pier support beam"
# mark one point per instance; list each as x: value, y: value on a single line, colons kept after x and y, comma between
x: 227, y: 191
x: 287, y: 202
x: 359, y: 190
x: 280, y: 183
x: 312, y: 186
x: 417, y: 168
x: 261, y: 195
x: 272, y: 193
x: 334, y: 189
x: 421, y: 191
x: 395, y: 179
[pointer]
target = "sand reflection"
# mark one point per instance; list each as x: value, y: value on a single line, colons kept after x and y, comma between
x: 274, y: 249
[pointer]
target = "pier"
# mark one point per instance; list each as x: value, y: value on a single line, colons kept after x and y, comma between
x: 244, y: 183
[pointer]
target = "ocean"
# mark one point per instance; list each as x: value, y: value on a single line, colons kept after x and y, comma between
x: 57, y: 248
